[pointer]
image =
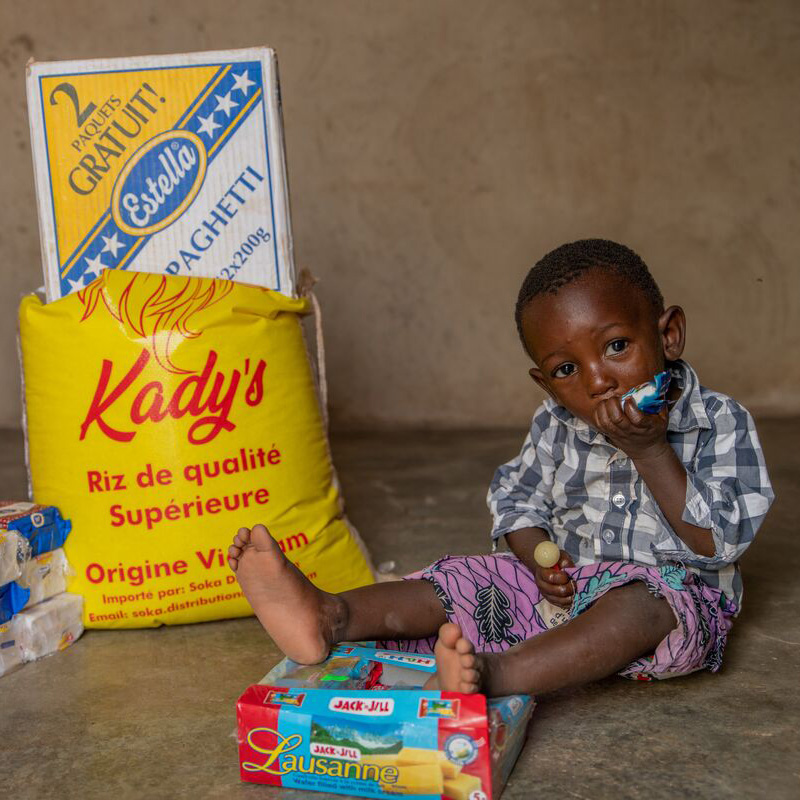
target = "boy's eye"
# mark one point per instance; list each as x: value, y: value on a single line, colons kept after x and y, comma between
x: 617, y: 346
x: 564, y: 370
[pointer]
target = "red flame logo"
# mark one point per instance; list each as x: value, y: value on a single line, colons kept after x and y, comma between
x: 159, y: 309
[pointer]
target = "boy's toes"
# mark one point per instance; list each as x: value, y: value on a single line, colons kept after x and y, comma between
x: 234, y: 554
x: 464, y: 646
x: 242, y: 538
x: 260, y: 538
x: 470, y: 675
x: 450, y: 635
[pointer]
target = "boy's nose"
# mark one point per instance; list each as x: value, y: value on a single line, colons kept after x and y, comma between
x: 599, y: 382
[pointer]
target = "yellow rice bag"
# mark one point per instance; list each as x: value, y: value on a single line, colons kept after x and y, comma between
x: 163, y: 413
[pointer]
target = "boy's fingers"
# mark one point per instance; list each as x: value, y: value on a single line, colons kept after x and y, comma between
x: 562, y: 590
x: 556, y: 576
x: 547, y: 588
x: 615, y: 412
x: 601, y: 418
x: 604, y: 411
x: 561, y: 595
x: 632, y: 412
x: 620, y: 419
x: 611, y: 416
x: 542, y: 583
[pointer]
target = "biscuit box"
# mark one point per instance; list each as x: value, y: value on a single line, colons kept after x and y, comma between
x: 169, y: 164
x: 360, y: 724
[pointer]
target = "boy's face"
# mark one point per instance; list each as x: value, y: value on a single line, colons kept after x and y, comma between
x: 596, y: 338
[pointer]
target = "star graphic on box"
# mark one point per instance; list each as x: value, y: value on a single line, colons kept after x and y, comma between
x: 111, y: 244
x: 208, y: 125
x: 242, y: 82
x: 225, y: 104
x: 94, y: 266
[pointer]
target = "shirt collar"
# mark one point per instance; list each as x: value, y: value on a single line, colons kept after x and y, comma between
x: 687, y: 413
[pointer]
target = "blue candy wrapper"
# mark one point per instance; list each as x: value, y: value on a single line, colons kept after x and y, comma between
x: 650, y: 397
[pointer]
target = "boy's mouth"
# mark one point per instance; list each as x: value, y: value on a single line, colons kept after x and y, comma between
x: 607, y: 396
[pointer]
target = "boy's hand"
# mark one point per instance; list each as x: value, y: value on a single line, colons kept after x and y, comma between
x: 637, y: 434
x: 554, y: 584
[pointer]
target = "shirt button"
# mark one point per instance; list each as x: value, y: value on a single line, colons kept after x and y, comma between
x: 608, y: 536
x: 618, y: 499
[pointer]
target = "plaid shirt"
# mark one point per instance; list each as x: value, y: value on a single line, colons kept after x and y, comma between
x: 572, y: 482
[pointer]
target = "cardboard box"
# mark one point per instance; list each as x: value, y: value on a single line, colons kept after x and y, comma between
x: 166, y: 164
x: 361, y: 735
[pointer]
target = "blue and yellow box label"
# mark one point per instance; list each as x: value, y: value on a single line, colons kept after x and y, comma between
x: 163, y: 164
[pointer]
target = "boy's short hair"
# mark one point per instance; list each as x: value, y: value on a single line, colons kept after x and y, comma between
x: 568, y: 262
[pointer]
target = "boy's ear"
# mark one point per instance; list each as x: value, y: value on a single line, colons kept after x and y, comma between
x: 672, y: 329
x: 538, y: 378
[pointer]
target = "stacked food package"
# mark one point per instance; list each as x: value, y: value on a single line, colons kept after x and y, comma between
x: 37, y: 616
x: 362, y: 723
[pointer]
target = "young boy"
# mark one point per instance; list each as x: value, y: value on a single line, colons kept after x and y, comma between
x: 650, y: 512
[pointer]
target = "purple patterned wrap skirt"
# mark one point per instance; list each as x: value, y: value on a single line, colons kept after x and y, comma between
x: 496, y: 603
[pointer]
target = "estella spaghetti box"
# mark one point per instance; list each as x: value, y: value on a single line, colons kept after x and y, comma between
x: 169, y: 164
x: 359, y: 724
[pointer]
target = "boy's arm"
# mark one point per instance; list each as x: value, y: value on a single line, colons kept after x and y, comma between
x: 519, y: 497
x: 522, y: 542
x: 665, y: 477
x: 521, y: 505
x: 716, y: 509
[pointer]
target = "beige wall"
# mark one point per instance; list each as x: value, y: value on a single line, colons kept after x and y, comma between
x: 437, y: 149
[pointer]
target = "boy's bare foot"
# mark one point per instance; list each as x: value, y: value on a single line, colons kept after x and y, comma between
x: 458, y: 668
x: 299, y: 617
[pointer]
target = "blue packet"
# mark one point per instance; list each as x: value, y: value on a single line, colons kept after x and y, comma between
x: 43, y: 526
x: 650, y: 397
x: 13, y: 598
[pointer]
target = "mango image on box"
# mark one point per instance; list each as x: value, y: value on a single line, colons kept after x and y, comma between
x: 187, y: 409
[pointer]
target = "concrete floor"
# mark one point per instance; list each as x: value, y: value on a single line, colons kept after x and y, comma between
x: 149, y: 714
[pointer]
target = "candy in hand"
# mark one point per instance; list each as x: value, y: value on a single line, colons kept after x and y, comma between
x: 650, y: 397
x: 547, y: 554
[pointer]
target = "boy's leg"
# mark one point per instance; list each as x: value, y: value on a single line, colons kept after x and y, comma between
x: 304, y: 621
x: 407, y: 609
x: 622, y: 625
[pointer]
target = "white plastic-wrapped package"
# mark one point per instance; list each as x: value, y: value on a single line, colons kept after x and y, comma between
x: 49, y: 626
x: 46, y: 575
x: 14, y: 550
x: 10, y: 651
